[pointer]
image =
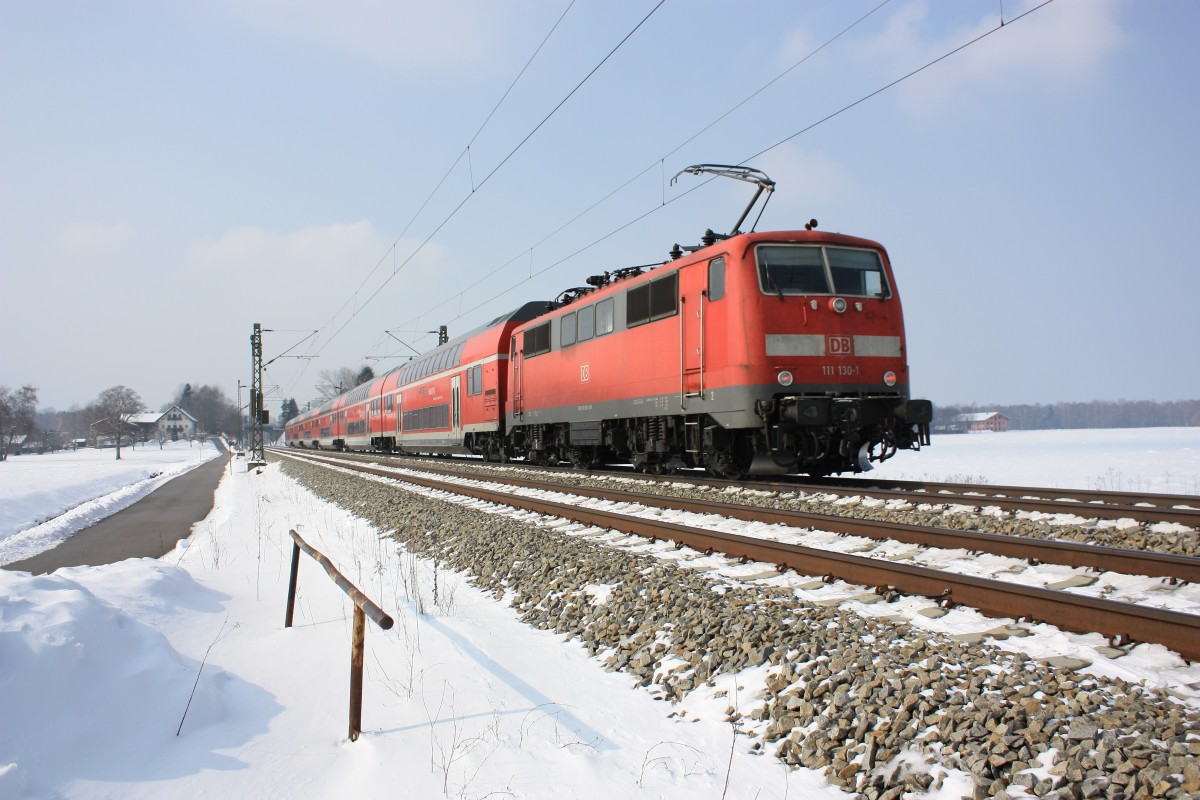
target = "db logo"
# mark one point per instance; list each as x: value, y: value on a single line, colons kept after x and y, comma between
x: 585, y: 373
x: 839, y: 346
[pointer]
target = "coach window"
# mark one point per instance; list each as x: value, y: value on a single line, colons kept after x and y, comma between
x: 566, y: 334
x: 604, y: 317
x: 587, y: 322
x: 716, y: 279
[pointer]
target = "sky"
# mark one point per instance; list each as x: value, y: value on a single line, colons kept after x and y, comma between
x: 373, y: 170
x: 193, y: 687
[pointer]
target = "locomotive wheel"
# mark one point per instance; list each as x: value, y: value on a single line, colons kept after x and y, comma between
x: 583, y: 457
x: 729, y: 463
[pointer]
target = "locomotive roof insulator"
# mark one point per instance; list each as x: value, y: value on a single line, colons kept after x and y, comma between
x: 675, y: 252
x: 571, y: 295
x: 628, y: 272
x: 599, y: 280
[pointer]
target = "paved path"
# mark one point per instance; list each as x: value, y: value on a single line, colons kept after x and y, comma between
x: 149, y: 527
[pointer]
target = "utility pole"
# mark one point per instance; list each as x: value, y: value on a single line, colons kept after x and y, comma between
x: 258, y: 414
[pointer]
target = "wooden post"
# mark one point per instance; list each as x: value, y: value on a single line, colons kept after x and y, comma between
x: 356, y: 672
x: 363, y: 608
x: 291, y: 601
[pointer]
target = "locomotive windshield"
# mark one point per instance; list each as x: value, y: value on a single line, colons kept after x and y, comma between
x: 805, y: 269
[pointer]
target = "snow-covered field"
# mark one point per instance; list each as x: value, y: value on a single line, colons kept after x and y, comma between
x: 46, y: 498
x: 176, y: 678
x: 1163, y: 460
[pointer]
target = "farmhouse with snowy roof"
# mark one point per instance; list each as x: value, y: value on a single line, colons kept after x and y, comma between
x: 174, y: 423
x: 982, y: 421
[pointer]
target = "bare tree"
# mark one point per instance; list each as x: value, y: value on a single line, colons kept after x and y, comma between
x: 17, y: 416
x: 333, y: 382
x: 214, y: 412
x: 115, y: 407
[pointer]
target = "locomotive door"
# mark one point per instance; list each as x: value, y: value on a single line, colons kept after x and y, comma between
x: 455, y: 408
x: 692, y: 285
x: 517, y: 385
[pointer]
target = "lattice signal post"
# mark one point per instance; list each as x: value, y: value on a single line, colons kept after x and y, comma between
x: 258, y: 414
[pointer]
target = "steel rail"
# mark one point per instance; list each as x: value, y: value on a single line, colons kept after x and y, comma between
x: 1151, y: 508
x: 1110, y: 505
x: 1117, y: 620
x: 1048, y: 551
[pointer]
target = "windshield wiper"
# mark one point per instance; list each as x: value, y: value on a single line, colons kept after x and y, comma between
x: 771, y: 278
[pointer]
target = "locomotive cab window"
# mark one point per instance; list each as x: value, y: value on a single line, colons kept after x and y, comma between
x: 856, y: 272
x: 804, y: 269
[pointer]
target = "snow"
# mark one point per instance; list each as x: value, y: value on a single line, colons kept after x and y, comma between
x: 175, y: 677
x: 1165, y: 460
x: 46, y: 498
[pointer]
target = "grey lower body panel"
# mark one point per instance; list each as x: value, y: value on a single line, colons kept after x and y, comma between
x: 730, y: 407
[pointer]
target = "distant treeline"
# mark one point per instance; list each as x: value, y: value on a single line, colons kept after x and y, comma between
x: 1096, y: 414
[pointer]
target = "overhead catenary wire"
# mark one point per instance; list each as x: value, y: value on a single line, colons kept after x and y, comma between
x: 465, y: 152
x: 660, y: 163
x: 1002, y: 24
x: 485, y: 180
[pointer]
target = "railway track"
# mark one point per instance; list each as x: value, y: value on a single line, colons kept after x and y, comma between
x: 1091, y: 504
x: 1120, y: 621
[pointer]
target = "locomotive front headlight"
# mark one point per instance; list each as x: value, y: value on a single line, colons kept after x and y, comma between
x: 837, y: 305
x: 889, y: 378
x: 785, y: 378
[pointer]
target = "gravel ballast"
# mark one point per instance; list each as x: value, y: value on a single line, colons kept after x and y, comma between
x: 880, y: 708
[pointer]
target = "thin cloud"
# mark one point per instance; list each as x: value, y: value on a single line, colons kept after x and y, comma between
x: 409, y: 36
x: 1058, y: 47
x: 92, y: 238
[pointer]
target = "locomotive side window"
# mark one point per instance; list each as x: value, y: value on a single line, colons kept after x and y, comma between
x: 604, y: 317
x: 567, y: 332
x: 716, y: 279
x: 654, y: 300
x: 664, y: 296
x: 637, y: 301
x: 587, y: 317
x: 856, y: 272
x: 537, y: 340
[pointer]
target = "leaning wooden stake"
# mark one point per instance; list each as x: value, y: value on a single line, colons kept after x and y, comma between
x: 363, y: 608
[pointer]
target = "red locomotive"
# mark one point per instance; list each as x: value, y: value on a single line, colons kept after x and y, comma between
x: 755, y: 353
